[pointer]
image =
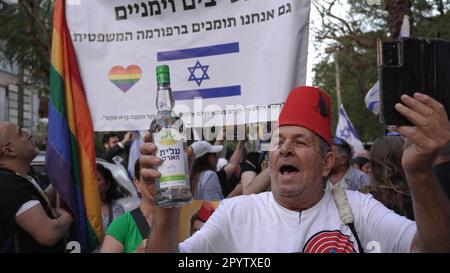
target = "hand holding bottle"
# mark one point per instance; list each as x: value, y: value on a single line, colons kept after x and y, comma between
x: 149, y: 161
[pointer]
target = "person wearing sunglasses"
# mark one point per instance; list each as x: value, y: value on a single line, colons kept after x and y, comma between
x: 28, y: 222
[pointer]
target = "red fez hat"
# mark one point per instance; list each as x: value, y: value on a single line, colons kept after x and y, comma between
x: 205, y: 211
x: 308, y: 107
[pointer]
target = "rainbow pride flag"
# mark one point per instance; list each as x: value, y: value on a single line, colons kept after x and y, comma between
x: 70, y: 155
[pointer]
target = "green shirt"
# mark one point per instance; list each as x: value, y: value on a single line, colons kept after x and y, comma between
x: 125, y: 230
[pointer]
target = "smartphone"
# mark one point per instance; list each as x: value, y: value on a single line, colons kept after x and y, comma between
x: 411, y: 65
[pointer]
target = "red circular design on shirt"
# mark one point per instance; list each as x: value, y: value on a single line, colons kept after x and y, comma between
x: 329, y: 242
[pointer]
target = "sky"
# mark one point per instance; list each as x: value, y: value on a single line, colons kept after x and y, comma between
x: 315, y: 20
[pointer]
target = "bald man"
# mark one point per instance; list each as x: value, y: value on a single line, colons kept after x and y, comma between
x: 28, y: 223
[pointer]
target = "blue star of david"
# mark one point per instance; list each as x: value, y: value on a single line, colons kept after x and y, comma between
x: 345, y: 133
x: 203, y: 68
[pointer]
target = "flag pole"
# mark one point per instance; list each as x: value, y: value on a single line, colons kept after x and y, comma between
x: 338, y: 81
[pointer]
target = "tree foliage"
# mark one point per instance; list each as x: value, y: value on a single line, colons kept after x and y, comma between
x: 351, y: 36
x: 26, y: 27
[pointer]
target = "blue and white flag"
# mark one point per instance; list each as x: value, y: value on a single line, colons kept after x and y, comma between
x: 372, y: 98
x: 346, y: 131
x: 197, y: 70
x: 231, y: 62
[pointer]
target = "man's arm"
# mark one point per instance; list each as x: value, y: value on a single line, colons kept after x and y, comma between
x: 236, y: 191
x: 258, y: 184
x: 235, y: 159
x: 141, y: 247
x: 246, y: 178
x: 111, y: 245
x: 43, y: 229
x: 50, y: 191
x: 426, y: 138
x: 164, y: 235
x: 119, y: 148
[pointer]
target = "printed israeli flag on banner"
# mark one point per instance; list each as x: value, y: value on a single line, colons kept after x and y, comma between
x: 346, y: 131
x: 203, y: 71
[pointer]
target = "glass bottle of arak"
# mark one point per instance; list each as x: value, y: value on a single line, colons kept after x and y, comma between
x: 167, y: 132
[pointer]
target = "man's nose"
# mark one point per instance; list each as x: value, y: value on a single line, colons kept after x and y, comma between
x: 286, y: 148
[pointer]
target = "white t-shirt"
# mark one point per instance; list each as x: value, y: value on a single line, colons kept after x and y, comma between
x: 257, y: 223
x: 32, y: 203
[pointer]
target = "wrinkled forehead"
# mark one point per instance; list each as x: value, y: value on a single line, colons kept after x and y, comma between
x: 294, y: 132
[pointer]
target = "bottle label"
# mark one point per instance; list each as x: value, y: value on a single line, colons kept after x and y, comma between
x: 170, y: 150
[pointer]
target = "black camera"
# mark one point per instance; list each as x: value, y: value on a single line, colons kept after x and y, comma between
x: 411, y: 65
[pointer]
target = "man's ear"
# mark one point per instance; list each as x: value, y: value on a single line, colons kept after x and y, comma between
x: 8, y: 151
x: 328, y: 164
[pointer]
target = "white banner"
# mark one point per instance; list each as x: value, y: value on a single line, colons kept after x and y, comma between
x: 240, y: 57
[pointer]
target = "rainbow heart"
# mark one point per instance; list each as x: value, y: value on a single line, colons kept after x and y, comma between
x: 125, y: 78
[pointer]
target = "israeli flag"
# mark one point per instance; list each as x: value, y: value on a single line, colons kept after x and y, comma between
x: 372, y: 98
x: 346, y: 131
x: 202, y: 71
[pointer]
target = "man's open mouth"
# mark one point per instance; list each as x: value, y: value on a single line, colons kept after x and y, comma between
x: 288, y: 169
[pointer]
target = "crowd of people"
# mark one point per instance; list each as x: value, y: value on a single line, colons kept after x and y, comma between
x: 308, y: 193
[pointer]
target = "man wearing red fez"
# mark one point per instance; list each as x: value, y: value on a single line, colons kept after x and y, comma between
x: 301, y: 214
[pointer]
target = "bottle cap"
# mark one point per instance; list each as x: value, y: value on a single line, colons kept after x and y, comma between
x: 162, y: 74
